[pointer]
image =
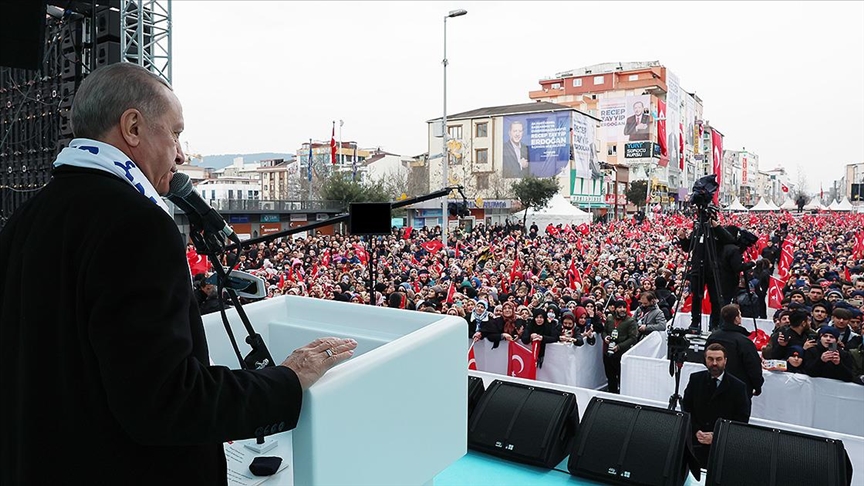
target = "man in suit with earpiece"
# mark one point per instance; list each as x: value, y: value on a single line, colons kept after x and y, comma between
x: 710, y: 395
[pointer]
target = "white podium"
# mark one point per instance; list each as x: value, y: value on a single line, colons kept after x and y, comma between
x: 394, y: 414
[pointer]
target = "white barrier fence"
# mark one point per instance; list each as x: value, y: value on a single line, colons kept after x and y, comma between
x: 565, y: 364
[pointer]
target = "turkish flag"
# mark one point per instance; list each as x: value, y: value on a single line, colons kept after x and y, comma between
x: 584, y: 229
x: 573, y: 275
x: 687, y: 306
x: 432, y: 246
x: 859, y: 244
x: 717, y: 154
x: 451, y: 291
x: 472, y: 362
x: 515, y: 270
x: 333, y: 144
x: 521, y: 362
x: 197, y: 263
x: 408, y: 232
x: 361, y: 253
x: 775, y: 293
x: 456, y: 255
x: 661, y: 128
x: 784, y: 188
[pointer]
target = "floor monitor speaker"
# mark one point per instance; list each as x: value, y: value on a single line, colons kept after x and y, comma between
x: 743, y: 454
x: 629, y: 444
x: 524, y: 423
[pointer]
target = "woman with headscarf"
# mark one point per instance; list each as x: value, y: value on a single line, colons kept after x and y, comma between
x: 479, y: 317
x: 503, y: 327
x: 541, y: 331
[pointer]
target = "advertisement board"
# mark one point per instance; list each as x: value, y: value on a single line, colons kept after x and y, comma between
x: 537, y: 144
x: 626, y: 119
x: 584, y: 133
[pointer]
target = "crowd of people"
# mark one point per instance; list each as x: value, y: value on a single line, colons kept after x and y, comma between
x: 609, y: 283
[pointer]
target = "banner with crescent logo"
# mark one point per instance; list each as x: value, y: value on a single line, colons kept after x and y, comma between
x: 472, y: 361
x: 717, y: 144
x: 521, y: 362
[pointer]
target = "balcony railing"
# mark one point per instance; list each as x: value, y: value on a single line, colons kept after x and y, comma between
x: 258, y: 206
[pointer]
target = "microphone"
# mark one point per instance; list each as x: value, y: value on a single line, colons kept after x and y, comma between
x: 181, y: 193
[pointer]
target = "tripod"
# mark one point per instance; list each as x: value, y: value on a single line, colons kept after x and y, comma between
x: 702, y: 260
x: 677, y: 346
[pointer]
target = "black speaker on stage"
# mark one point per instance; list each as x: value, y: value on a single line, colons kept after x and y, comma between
x: 624, y: 443
x: 369, y: 219
x: 524, y: 423
x: 475, y: 391
x: 743, y: 454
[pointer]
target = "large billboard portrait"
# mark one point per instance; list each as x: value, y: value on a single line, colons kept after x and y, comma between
x: 585, y: 163
x: 626, y: 119
x: 537, y: 144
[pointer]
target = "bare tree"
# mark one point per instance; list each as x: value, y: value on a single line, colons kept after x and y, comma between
x: 499, y: 187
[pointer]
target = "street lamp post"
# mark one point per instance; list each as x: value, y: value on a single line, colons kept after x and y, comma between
x: 444, y: 152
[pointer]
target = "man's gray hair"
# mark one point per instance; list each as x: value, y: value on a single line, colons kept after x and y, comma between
x: 109, y: 91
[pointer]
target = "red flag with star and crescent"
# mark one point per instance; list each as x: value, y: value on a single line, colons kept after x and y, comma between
x: 472, y: 361
x: 775, y: 293
x: 521, y: 361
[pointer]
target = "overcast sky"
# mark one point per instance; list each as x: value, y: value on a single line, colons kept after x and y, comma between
x: 783, y: 79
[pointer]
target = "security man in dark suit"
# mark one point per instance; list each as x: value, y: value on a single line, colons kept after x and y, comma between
x: 710, y: 395
x: 743, y: 359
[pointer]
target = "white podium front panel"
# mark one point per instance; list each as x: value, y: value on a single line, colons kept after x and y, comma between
x: 395, y: 413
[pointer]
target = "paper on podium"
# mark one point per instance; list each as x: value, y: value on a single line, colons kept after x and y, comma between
x: 394, y: 414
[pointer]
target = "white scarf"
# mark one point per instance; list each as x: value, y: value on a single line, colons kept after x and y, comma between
x: 92, y: 154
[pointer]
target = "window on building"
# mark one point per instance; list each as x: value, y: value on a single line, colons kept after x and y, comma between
x: 482, y: 130
x: 213, y: 194
x: 598, y: 80
x: 230, y: 193
x: 612, y: 150
x: 482, y: 182
x: 455, y: 131
x: 481, y: 156
x: 249, y: 194
x: 633, y: 77
x: 577, y: 82
x: 556, y: 85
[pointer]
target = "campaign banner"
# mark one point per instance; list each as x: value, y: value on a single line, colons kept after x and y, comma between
x: 626, y: 119
x: 537, y: 144
x: 584, y: 133
x: 671, y: 137
x: 638, y: 150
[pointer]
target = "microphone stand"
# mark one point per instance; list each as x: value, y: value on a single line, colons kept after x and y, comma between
x: 208, y: 243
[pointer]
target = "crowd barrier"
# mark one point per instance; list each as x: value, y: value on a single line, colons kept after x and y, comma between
x: 682, y: 320
x: 562, y: 363
x: 792, y: 398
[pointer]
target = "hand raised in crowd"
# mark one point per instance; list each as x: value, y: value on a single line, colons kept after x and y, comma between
x: 313, y: 360
x: 536, y: 337
x: 810, y: 343
x: 781, y: 339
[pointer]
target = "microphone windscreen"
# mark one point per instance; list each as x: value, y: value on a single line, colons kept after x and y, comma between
x: 180, y: 185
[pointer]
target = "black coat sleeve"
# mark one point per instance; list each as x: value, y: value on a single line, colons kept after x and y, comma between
x: 752, y: 364
x: 151, y: 351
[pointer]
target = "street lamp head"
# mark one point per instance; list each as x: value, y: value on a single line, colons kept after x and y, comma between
x: 457, y: 13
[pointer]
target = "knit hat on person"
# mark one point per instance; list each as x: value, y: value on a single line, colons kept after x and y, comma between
x: 568, y: 315
x: 796, y: 350
x: 829, y: 330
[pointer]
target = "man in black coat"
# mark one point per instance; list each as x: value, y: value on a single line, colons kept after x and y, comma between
x: 743, y: 360
x: 710, y: 395
x: 107, y: 379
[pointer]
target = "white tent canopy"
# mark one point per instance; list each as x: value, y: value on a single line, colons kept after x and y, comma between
x: 772, y: 206
x: 789, y: 205
x: 814, y: 205
x: 557, y: 211
x: 845, y: 205
x: 736, y: 206
x: 763, y: 206
x: 834, y: 205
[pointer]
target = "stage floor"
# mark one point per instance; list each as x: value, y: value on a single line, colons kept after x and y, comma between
x: 478, y: 469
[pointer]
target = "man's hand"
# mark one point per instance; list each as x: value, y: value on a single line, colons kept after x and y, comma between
x: 313, y: 360
x: 507, y: 337
x: 828, y: 356
x: 781, y: 339
x: 705, y: 437
x: 810, y: 343
x: 523, y: 162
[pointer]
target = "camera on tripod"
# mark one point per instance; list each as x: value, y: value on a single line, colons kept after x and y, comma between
x: 702, y: 196
x: 677, y: 345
